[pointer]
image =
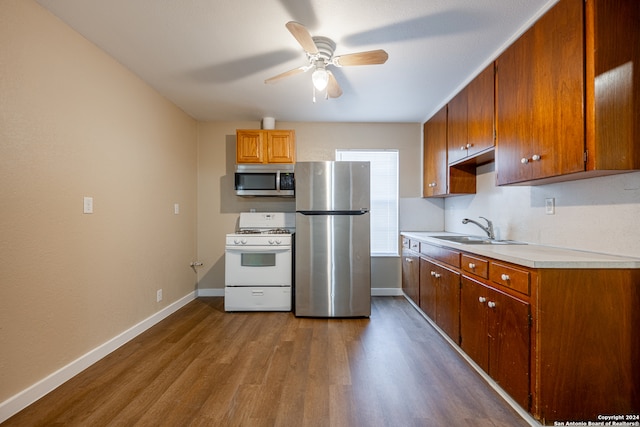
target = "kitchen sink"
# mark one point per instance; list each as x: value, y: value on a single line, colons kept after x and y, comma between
x: 476, y: 240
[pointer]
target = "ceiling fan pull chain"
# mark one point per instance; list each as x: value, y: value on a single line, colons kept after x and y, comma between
x: 314, y: 93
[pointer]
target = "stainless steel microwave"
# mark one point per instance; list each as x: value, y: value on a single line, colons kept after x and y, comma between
x: 265, y: 180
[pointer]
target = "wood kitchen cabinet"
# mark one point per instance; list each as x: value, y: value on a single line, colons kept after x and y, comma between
x: 568, y: 103
x: 411, y: 269
x: 265, y: 146
x: 438, y: 179
x: 495, y: 333
x: 470, y: 122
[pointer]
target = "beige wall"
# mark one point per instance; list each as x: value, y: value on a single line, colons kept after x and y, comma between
x: 74, y: 123
x: 218, y: 207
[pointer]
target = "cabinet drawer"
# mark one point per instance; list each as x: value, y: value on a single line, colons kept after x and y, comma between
x: 414, y: 245
x: 406, y: 243
x: 447, y: 256
x: 511, y: 277
x: 477, y: 266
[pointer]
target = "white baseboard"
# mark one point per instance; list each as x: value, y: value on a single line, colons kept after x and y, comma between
x: 18, y: 402
x: 376, y: 292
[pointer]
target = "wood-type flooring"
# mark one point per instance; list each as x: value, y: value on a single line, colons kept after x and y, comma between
x: 204, y: 367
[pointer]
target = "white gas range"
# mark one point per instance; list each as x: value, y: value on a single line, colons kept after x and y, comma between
x: 259, y: 262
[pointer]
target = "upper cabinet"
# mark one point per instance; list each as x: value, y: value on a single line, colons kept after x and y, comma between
x: 471, y: 118
x: 435, y: 155
x: 458, y: 138
x: 568, y: 103
x: 265, y: 146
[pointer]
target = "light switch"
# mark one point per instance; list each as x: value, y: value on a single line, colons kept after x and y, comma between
x: 88, y: 205
x: 176, y: 208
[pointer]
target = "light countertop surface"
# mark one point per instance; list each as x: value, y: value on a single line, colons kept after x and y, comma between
x: 530, y: 255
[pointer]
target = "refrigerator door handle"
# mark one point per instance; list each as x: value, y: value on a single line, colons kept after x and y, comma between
x: 358, y: 212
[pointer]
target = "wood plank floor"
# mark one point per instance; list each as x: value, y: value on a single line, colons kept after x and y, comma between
x: 204, y: 367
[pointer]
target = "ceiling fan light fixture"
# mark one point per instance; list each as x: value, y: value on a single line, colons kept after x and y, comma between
x: 320, y: 78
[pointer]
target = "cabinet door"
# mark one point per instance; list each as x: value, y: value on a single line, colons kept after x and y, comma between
x: 480, y: 112
x: 540, y: 113
x: 448, y: 303
x: 440, y: 297
x: 435, y: 155
x: 457, y: 134
x: 249, y: 146
x: 280, y: 146
x: 411, y: 275
x: 473, y: 322
x: 428, y: 287
x: 509, y: 345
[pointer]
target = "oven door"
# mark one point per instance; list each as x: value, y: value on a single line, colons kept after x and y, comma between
x: 258, y: 266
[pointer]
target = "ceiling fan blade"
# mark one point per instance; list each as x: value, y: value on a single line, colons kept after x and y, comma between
x: 333, y: 88
x: 301, y: 34
x: 371, y: 57
x: 289, y: 73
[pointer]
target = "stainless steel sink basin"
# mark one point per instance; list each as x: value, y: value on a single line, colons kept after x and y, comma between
x: 476, y: 240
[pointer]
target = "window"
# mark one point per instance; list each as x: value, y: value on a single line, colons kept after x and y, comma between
x: 384, y: 197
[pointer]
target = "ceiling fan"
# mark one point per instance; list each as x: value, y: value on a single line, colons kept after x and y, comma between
x: 319, y: 52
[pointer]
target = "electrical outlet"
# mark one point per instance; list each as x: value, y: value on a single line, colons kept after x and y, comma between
x: 550, y: 206
x: 159, y: 295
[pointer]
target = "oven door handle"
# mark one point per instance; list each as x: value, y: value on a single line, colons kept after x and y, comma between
x: 266, y: 249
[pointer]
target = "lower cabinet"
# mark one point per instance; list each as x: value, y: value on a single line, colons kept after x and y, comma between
x: 495, y: 333
x: 440, y: 296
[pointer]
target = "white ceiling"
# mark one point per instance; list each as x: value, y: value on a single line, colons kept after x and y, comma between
x: 211, y: 57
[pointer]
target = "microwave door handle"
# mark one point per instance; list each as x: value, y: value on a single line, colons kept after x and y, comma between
x: 278, y: 181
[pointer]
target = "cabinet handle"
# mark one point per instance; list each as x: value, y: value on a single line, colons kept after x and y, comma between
x: 472, y: 266
x: 482, y: 299
x: 505, y: 277
x: 434, y: 274
x: 491, y: 304
x: 462, y: 148
x: 536, y: 157
x: 409, y: 260
x: 469, y: 146
x: 432, y: 184
x: 524, y: 160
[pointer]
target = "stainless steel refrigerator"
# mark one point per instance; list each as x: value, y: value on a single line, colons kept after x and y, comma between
x: 332, y: 241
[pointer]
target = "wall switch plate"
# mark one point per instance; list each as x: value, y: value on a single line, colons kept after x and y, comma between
x: 159, y: 295
x: 88, y: 205
x: 176, y: 208
x: 550, y: 206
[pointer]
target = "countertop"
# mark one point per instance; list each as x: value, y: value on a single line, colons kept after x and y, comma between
x: 530, y: 255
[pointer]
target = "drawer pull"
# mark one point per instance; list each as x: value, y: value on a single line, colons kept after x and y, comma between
x: 434, y: 274
x: 505, y: 277
x: 409, y: 260
x: 472, y: 266
x: 482, y: 299
x: 491, y: 304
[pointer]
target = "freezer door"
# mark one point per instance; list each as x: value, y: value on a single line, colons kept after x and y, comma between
x: 332, y: 266
x: 332, y: 186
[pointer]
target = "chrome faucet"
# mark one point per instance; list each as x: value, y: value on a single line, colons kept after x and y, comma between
x: 488, y: 229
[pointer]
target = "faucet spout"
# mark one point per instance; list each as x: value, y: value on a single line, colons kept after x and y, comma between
x: 488, y: 229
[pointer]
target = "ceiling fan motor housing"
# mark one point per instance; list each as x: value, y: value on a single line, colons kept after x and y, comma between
x: 326, y: 47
